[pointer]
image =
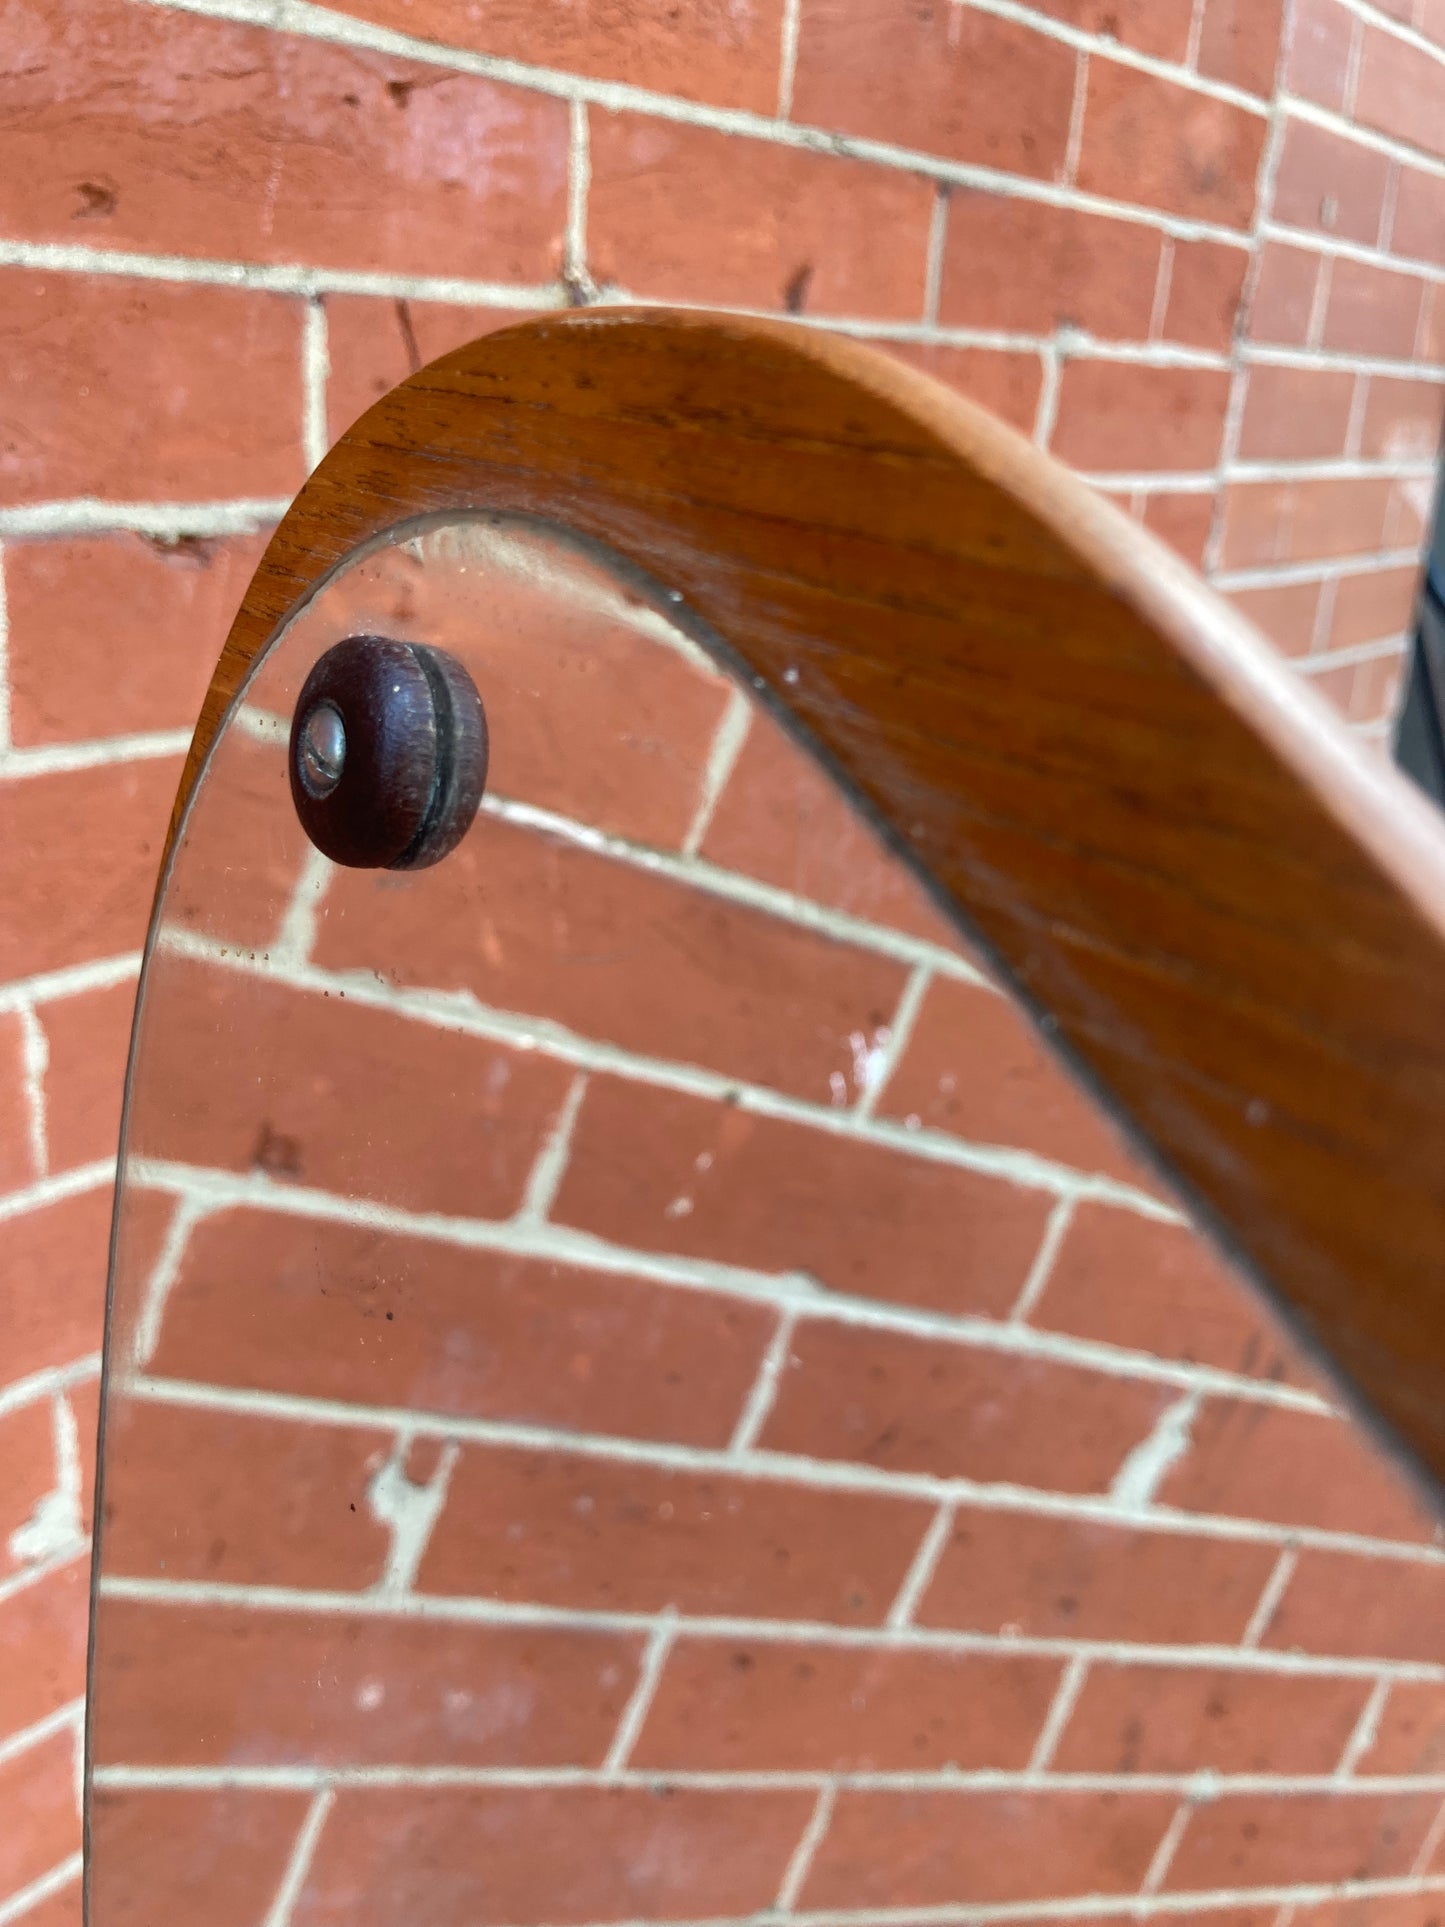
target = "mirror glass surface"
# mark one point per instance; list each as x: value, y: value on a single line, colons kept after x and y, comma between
x: 613, y: 1414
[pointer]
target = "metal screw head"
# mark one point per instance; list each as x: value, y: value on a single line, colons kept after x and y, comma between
x: 321, y: 750
x: 388, y: 754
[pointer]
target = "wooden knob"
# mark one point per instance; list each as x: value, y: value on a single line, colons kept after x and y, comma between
x: 388, y: 754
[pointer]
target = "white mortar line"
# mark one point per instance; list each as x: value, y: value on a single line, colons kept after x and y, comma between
x: 1138, y: 1480
x: 1359, y: 405
x: 1366, y: 1731
x: 1319, y: 307
x: 545, y: 1177
x: 882, y: 1060
x: 47, y: 1383
x: 1046, y: 415
x: 1060, y: 1712
x: 56, y: 1529
x: 13, y: 1584
x: 1274, y: 1589
x: 1055, y: 1231
x: 576, y: 275
x: 315, y: 374
x: 1317, y: 663
x: 48, y: 985
x: 35, y: 1062
x: 477, y: 1611
x: 298, y: 1866
x: 1329, y: 569
x: 921, y: 1568
x: 788, y: 57
x: 1378, y: 142
x: 1077, y: 109
x: 800, y: 1865
x: 410, y: 1510
x: 87, y: 515
x: 1331, y: 247
x: 164, y: 1274
x: 53, y: 759
x: 1429, y: 1844
x: 937, y: 241
x: 764, y: 1390
x: 768, y: 1466
x: 1158, y: 1870
x: 1354, y: 60
x: 639, y: 1704
x: 727, y: 746
x: 1389, y: 205
x: 296, y: 936
x: 1163, y: 282
x: 53, y: 1190
x: 794, y: 1292
x: 14, y: 1745
x: 16, y: 1905
x: 1196, y: 35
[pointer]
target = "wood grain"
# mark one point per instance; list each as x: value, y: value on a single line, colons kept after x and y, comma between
x: 1229, y: 922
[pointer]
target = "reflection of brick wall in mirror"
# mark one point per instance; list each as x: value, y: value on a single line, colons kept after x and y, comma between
x: 626, y: 1330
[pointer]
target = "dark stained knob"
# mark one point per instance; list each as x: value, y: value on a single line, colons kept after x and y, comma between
x: 388, y: 754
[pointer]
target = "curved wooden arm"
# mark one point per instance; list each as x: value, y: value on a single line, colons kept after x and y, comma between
x: 1230, y: 923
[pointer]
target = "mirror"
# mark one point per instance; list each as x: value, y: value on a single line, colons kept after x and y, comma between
x: 636, y: 1392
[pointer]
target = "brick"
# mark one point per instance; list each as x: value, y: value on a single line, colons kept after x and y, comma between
x: 1239, y: 42
x: 594, y: 710
x: 1058, y: 1578
x: 52, y: 1282
x: 710, y: 52
x: 1183, y: 519
x: 937, y: 1849
x: 611, y: 1535
x: 247, y: 1075
x: 1115, y: 416
x: 783, y: 1009
x: 19, y: 1164
x: 1032, y: 268
x: 84, y: 1402
x: 1373, y: 605
x: 613, y: 1853
x: 1206, y: 288
x: 923, y: 1405
x: 239, y: 1499
x: 1419, y: 225
x: 244, y: 850
x: 781, y: 819
x: 1430, y: 19
x: 1403, y: 417
x: 1131, y: 1281
x: 1273, y: 1839
x: 88, y: 1036
x: 203, y: 1686
x: 1341, y: 1603
x: 688, y: 214
x: 973, y: 1066
x: 1330, y: 182
x: 1318, y: 63
x: 209, y: 137
x: 1305, y: 521
x: 1362, y: 692
x: 1401, y: 90
x: 1185, y: 1719
x: 1284, y: 295
x: 37, y: 1797
x: 78, y: 606
x: 1372, y: 311
x: 784, y: 1706
x: 27, y: 1473
x: 1169, y: 147
x: 189, y: 1856
x: 373, y: 344
x: 664, y: 1171
x: 1008, y: 385
x: 1158, y: 27
x: 342, y: 1312
x: 1296, y: 414
x: 1287, y: 613
x: 1410, y: 1732
x: 146, y: 390
x: 1409, y: 510
x: 102, y: 831
x: 965, y: 85
x: 43, y: 1627
x: 1254, y: 1461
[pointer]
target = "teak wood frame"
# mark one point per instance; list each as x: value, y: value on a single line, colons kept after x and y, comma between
x: 1229, y: 920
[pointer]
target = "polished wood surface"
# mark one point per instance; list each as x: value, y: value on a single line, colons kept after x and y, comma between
x: 1227, y: 918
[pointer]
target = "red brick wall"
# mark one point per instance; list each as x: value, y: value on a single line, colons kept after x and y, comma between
x: 1191, y: 246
